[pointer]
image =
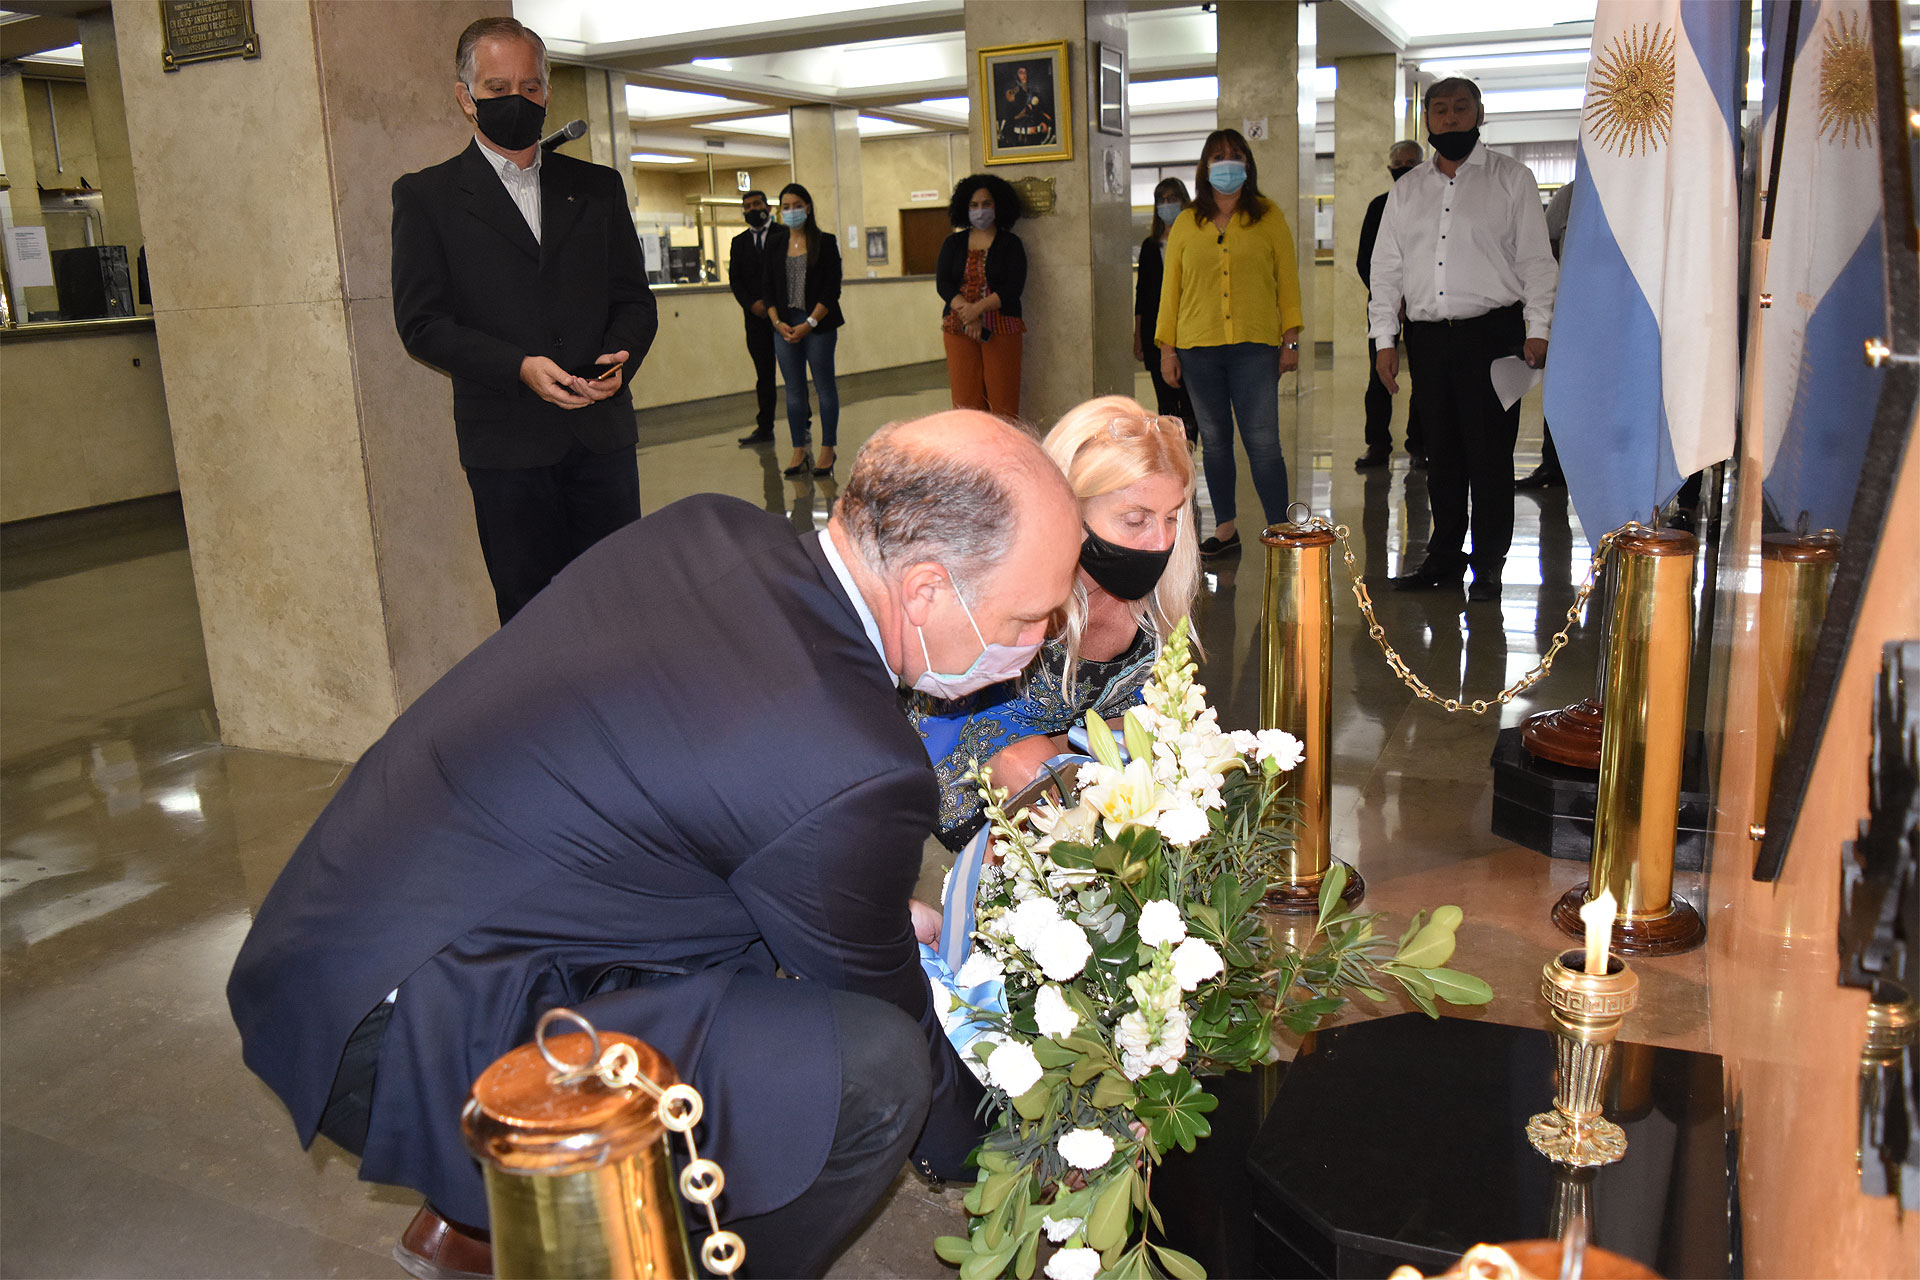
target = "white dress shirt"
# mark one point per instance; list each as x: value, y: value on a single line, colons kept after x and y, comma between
x: 521, y: 184
x: 867, y: 621
x: 1454, y: 248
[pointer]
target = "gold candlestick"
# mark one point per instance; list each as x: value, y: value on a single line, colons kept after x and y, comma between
x: 1587, y: 1012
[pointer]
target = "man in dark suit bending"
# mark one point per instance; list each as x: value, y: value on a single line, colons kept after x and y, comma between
x: 519, y: 274
x: 685, y: 765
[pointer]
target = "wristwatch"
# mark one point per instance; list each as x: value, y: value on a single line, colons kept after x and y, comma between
x: 812, y: 323
x: 1289, y: 346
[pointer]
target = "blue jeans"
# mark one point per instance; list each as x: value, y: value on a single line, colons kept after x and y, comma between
x: 815, y: 351
x: 1238, y: 382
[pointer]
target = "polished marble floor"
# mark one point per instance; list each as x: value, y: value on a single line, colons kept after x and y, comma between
x: 134, y: 1143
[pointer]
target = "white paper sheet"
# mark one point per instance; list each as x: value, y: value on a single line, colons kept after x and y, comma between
x: 1512, y: 378
x: 27, y: 260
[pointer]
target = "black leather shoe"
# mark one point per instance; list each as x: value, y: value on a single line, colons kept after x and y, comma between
x: 1213, y: 548
x: 1430, y: 577
x: 1372, y: 458
x: 1485, y: 587
x: 758, y: 437
x: 1542, y: 478
x: 1416, y: 462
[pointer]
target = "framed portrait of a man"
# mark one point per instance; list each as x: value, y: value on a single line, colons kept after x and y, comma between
x: 1026, y: 106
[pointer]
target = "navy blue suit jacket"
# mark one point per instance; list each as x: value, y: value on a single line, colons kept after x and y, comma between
x: 681, y: 763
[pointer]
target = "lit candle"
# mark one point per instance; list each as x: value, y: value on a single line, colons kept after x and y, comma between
x: 1598, y: 915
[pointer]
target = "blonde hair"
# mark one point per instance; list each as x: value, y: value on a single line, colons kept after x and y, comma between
x: 1096, y: 461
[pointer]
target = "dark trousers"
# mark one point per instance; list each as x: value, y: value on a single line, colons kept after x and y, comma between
x: 1469, y: 437
x: 534, y: 520
x: 885, y: 1087
x: 1170, y: 401
x: 760, y: 340
x: 1380, y: 410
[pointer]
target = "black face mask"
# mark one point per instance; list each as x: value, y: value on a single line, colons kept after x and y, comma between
x: 1400, y: 171
x: 512, y: 123
x: 756, y: 218
x: 1125, y: 573
x: 1455, y: 146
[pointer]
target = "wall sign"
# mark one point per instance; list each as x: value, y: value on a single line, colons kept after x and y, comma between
x: 202, y: 30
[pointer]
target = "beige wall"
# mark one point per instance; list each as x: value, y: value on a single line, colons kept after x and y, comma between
x: 894, y: 169
x: 23, y: 200
x: 85, y: 421
x: 75, y: 119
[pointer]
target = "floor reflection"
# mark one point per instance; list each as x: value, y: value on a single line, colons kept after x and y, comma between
x: 135, y: 846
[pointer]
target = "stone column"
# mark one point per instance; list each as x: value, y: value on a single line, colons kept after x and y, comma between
x: 1078, y: 303
x: 332, y: 533
x: 1363, y: 129
x: 23, y: 185
x: 113, y: 154
x: 826, y: 161
x: 1265, y: 65
x: 600, y: 98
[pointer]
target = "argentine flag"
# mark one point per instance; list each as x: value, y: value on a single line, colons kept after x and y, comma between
x: 1817, y: 395
x: 1642, y: 373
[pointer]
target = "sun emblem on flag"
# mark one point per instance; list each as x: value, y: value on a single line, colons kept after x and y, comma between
x: 1630, y: 93
x: 1846, y: 82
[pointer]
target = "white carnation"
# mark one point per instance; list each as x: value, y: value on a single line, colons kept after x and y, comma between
x: 1013, y: 1067
x: 1086, y: 1148
x: 1280, y: 747
x: 1061, y: 950
x: 1194, y: 962
x: 1183, y: 825
x: 981, y: 966
x: 1243, y: 741
x: 1160, y: 923
x: 1053, y: 1014
x: 1073, y: 1264
x: 1026, y: 922
x: 1059, y: 1229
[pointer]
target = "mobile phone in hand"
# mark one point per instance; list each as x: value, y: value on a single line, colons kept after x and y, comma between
x: 596, y: 372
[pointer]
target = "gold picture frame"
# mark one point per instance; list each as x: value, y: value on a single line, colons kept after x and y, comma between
x: 1025, y: 103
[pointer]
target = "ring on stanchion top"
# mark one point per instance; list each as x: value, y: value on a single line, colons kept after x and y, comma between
x: 1299, y: 513
x: 566, y: 1069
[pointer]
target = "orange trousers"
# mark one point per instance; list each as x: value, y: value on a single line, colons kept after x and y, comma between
x: 985, y: 375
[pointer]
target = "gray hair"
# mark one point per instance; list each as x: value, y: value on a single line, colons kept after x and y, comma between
x: 494, y: 28
x: 1454, y: 84
x: 1404, y: 145
x: 903, y: 505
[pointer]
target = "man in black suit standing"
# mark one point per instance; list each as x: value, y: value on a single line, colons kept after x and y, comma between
x: 683, y: 773
x: 515, y: 271
x: 746, y: 269
x: 1401, y: 158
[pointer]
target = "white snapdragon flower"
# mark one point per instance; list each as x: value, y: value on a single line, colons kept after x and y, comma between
x: 1280, y: 747
x: 1183, y: 825
x: 1061, y: 950
x: 981, y: 966
x: 1194, y: 962
x: 1086, y: 1148
x: 1073, y: 1264
x: 1141, y: 1051
x: 1053, y: 1014
x: 1013, y: 1067
x: 1127, y: 797
x: 1161, y: 924
x: 1059, y: 1229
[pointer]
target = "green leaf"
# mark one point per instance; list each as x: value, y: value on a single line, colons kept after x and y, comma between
x: 1067, y: 853
x: 1051, y: 1054
x: 1458, y: 988
x: 1023, y: 1261
x: 954, y: 1249
x: 1139, y: 737
x: 1178, y: 1264
x: 1087, y: 1068
x: 1100, y: 740
x: 995, y: 1161
x: 1107, y: 1224
x: 1332, y: 885
x: 995, y: 1190
x: 1413, y: 927
x: 1174, y: 1109
x: 985, y: 1266
x: 1432, y: 946
x: 1033, y: 1104
x: 1114, y: 1090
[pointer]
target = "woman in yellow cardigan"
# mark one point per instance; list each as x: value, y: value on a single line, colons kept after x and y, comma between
x: 1229, y: 326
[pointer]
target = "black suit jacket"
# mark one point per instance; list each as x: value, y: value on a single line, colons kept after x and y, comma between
x: 823, y: 277
x: 747, y: 269
x: 1369, y: 232
x: 682, y: 762
x: 474, y: 293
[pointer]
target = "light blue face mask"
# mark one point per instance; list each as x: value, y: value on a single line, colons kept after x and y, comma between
x: 1227, y: 176
x: 1167, y: 213
x: 794, y: 217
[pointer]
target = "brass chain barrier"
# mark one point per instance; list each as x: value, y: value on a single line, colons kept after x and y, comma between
x: 1478, y: 706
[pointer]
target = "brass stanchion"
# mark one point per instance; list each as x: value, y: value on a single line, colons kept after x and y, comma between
x: 1571, y: 735
x: 579, y: 1178
x: 1636, y: 813
x: 1796, y: 575
x: 1296, y: 694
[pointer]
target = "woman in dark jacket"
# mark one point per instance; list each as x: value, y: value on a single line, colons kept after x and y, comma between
x: 803, y: 295
x: 1169, y: 198
x: 980, y: 275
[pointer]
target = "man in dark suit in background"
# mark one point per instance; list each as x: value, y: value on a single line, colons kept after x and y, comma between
x: 1401, y: 158
x: 684, y: 765
x: 514, y: 271
x: 746, y: 268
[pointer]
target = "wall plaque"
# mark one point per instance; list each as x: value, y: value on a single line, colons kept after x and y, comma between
x: 1037, y: 194
x: 202, y: 30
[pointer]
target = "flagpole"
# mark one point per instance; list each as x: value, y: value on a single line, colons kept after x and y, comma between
x: 1787, y: 59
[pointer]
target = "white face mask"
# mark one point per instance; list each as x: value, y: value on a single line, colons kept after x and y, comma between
x: 996, y: 663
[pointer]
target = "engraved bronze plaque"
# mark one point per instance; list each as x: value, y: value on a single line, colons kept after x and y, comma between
x: 1037, y: 194
x: 202, y: 30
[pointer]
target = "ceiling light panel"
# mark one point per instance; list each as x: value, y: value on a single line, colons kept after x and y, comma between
x: 1425, y: 20
x: 599, y: 22
x: 644, y: 102
x: 649, y: 157
x: 1152, y: 95
x: 874, y: 127
x: 760, y: 126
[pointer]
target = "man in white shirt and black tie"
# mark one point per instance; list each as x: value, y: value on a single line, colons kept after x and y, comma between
x: 746, y: 259
x: 1463, y: 243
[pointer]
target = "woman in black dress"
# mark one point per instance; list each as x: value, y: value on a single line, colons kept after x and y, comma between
x: 1169, y: 198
